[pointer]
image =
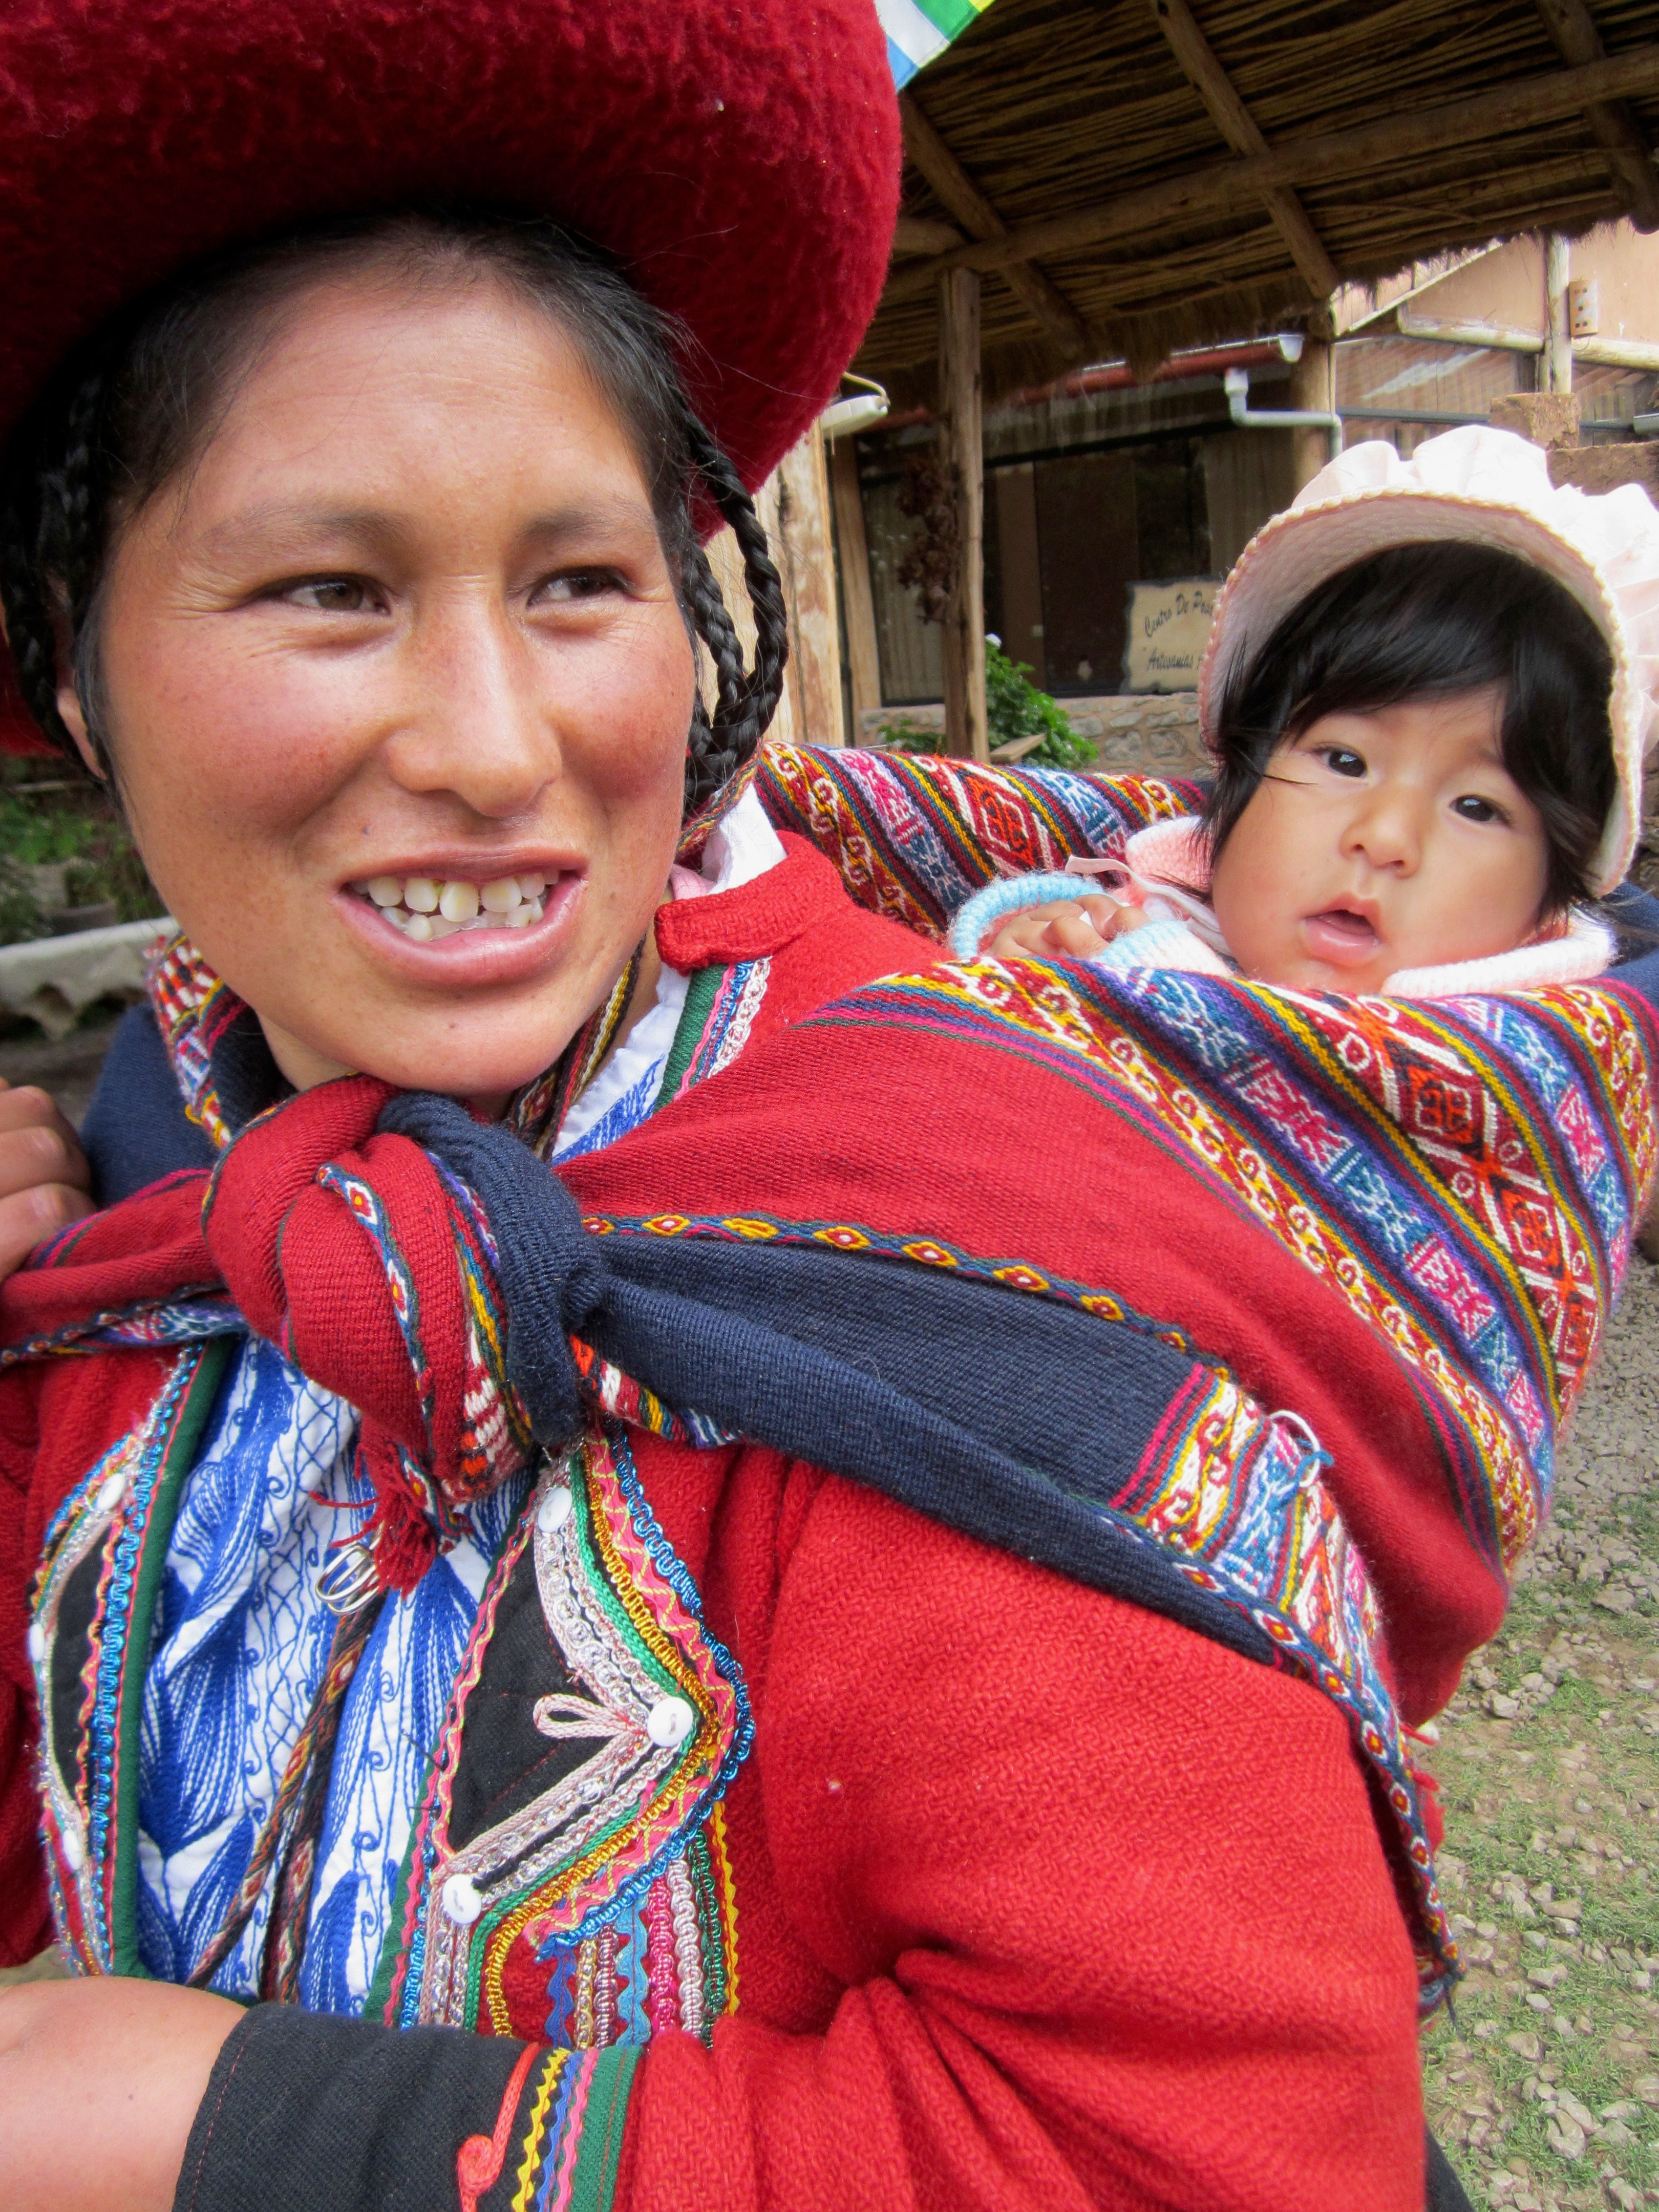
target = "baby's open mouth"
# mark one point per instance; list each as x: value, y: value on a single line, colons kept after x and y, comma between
x: 1340, y: 932
x: 424, y: 907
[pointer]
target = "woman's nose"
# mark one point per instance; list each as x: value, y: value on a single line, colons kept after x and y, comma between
x: 480, y: 722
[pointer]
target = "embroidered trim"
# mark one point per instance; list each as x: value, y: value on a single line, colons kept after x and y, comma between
x: 194, y: 1009
x: 571, y: 2141
x: 107, y: 1514
x: 189, y: 1319
x: 605, y: 1875
x: 479, y: 2160
x: 537, y: 1113
x: 735, y: 999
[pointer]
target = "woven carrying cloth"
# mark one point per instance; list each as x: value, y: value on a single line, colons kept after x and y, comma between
x: 1305, y: 1404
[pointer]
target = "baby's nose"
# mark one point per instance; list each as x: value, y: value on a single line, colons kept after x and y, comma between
x: 1387, y: 829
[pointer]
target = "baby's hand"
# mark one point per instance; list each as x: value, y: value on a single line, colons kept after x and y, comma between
x: 44, y: 1176
x: 1075, y: 928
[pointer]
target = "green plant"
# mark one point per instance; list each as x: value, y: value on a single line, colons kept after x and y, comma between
x: 20, y: 918
x: 75, y: 827
x: 904, y: 736
x: 34, y: 835
x: 1015, y: 709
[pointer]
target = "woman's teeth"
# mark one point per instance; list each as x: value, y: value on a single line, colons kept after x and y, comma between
x: 424, y: 909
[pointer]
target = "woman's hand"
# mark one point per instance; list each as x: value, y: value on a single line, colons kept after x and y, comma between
x: 1076, y: 929
x: 44, y: 1177
x: 98, y: 2085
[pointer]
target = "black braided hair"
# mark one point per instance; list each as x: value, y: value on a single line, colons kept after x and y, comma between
x: 745, y: 699
x: 128, y: 411
x: 52, y: 524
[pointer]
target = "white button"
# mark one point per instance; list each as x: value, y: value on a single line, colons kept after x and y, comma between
x: 555, y: 1509
x: 669, y: 1721
x: 74, y: 1850
x: 109, y: 1496
x: 461, y: 1900
x: 37, y: 1643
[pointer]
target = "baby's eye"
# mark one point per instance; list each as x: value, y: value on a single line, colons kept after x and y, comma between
x: 1471, y: 807
x: 1342, y: 761
x: 330, y: 595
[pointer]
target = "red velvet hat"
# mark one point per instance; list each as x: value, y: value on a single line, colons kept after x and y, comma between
x: 740, y: 157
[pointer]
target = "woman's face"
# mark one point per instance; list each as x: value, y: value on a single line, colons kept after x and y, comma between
x: 405, y: 623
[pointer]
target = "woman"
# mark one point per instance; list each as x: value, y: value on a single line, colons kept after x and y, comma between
x: 449, y: 1612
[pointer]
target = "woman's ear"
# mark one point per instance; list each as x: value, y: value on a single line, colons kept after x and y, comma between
x: 70, y: 710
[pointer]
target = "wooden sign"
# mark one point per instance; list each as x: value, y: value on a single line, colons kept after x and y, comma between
x: 1168, y: 629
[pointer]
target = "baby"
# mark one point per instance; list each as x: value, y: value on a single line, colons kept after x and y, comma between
x: 1427, y: 769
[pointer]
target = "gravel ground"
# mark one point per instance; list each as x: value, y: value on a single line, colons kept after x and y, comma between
x: 1544, y: 2089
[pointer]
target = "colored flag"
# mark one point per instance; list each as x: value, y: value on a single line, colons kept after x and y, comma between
x: 917, y: 30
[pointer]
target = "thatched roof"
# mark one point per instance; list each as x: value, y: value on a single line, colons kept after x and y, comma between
x: 1142, y: 212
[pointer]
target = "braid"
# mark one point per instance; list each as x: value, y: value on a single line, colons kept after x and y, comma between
x: 29, y: 623
x: 745, y: 699
x: 72, y: 498
x: 51, y: 526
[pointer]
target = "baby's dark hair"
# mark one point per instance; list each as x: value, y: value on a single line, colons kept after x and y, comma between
x: 134, y: 406
x: 1431, y: 621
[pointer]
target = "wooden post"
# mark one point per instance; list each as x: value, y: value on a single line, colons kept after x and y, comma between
x: 857, y: 599
x: 962, y: 448
x: 1313, y: 391
x: 1555, y: 371
x: 804, y: 549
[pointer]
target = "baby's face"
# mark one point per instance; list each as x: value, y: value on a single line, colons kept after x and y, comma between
x: 1382, y: 840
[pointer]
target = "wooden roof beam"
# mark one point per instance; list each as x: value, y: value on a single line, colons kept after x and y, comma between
x: 1236, y: 187
x: 1616, y: 130
x: 1192, y: 50
x: 921, y: 233
x: 951, y: 182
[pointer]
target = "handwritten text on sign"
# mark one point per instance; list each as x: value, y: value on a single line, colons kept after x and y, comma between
x: 1169, y: 628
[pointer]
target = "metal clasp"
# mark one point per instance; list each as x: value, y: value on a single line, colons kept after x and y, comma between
x: 349, y: 1578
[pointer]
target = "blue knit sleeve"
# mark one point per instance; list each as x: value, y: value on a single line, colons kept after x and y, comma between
x: 988, y: 908
x: 1166, y: 943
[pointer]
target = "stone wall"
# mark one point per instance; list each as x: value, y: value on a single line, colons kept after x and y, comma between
x: 1154, y: 734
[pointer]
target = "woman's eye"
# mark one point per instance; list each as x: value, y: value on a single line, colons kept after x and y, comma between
x: 1471, y: 807
x: 330, y: 595
x: 575, y: 584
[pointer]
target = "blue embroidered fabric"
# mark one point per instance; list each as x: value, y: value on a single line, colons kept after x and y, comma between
x: 240, y: 1646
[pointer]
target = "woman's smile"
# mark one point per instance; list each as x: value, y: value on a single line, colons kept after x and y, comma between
x: 465, y: 931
